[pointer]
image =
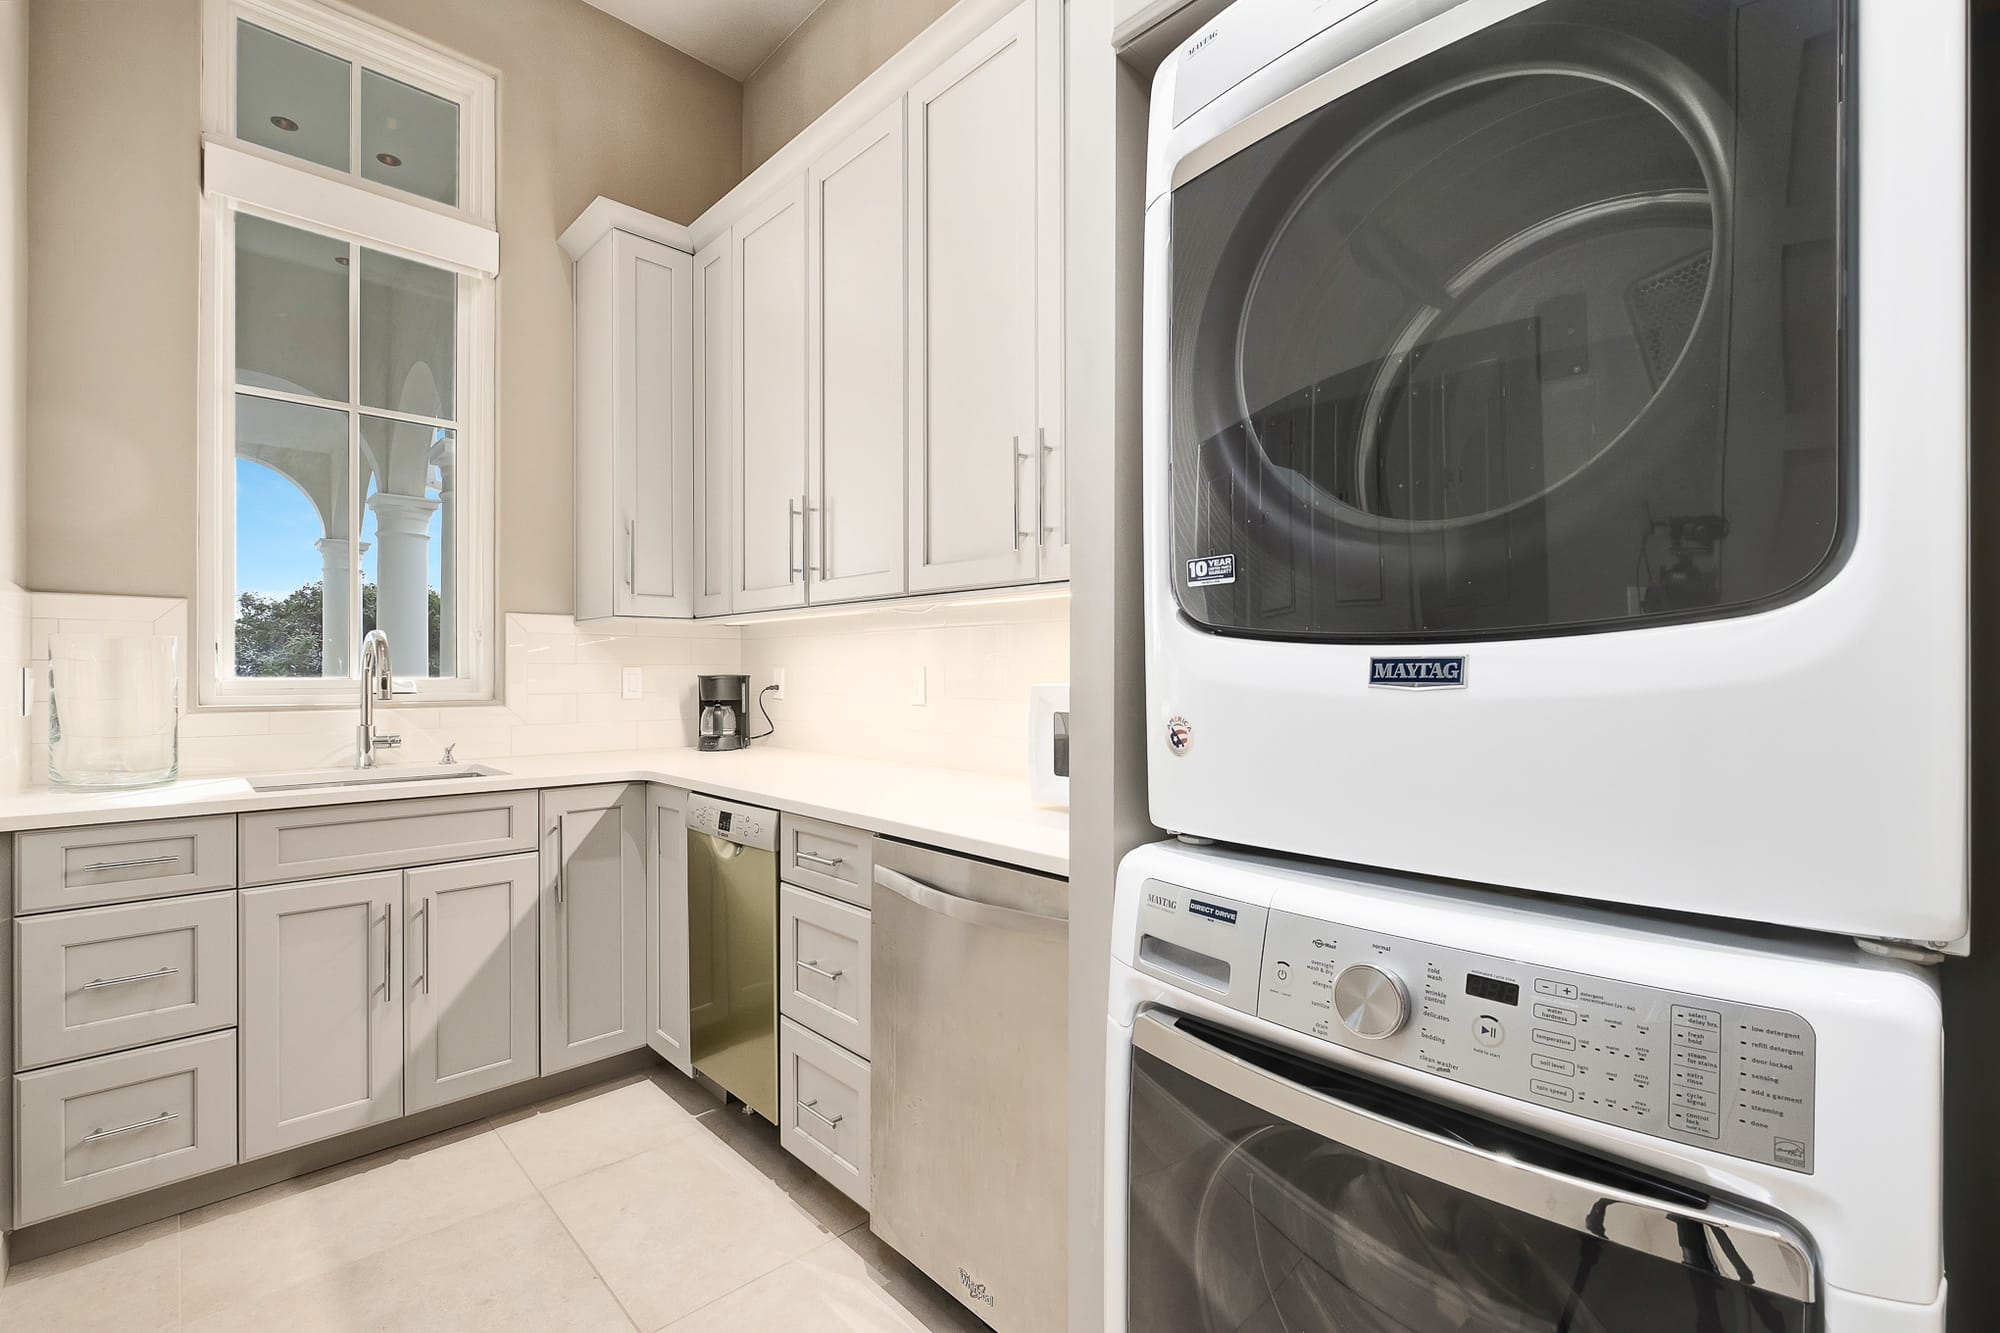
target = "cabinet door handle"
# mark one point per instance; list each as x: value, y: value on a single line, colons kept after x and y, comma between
x: 103, y: 982
x: 133, y: 864
x: 830, y: 1121
x: 1014, y: 466
x: 424, y: 915
x: 562, y: 920
x: 828, y: 861
x: 1048, y: 452
x: 162, y: 1118
x: 632, y: 554
x: 805, y: 534
x: 819, y: 971
x: 825, y: 512
x: 792, y: 569
x: 388, y: 960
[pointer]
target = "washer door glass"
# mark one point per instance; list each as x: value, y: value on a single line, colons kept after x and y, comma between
x: 1539, y: 333
x: 1243, y: 1222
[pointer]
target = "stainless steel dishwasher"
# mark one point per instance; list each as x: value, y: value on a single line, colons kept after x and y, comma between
x: 733, y: 948
x: 969, y: 1087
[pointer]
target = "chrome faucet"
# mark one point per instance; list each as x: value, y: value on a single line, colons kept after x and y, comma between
x: 377, y: 682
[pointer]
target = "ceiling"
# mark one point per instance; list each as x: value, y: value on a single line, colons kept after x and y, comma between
x: 733, y: 36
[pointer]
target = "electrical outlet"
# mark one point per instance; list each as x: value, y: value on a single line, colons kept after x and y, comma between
x: 919, y: 686
x: 634, y: 683
x: 778, y: 683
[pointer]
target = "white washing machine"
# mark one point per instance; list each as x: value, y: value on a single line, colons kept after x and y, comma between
x: 1352, y: 1104
x: 1556, y: 448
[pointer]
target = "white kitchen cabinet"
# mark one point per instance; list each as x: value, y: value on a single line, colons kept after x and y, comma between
x: 855, y: 363
x: 473, y: 1022
x: 321, y: 1025
x: 714, y: 439
x: 634, y: 429
x: 669, y: 1024
x: 593, y: 921
x: 768, y: 466
x: 985, y: 309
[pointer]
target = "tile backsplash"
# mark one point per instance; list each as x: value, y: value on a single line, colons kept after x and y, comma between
x: 563, y: 694
x: 853, y: 683
x: 914, y: 683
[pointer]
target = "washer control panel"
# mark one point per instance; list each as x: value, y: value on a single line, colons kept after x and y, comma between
x: 1733, y: 1078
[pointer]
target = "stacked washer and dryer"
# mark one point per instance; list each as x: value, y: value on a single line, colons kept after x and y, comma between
x: 1556, y: 580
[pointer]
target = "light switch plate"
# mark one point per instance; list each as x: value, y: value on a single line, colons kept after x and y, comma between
x: 634, y: 683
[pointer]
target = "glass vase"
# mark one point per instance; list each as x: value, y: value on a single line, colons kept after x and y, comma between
x: 114, y: 710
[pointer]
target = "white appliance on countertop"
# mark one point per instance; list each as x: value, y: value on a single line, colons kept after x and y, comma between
x: 1556, y: 448
x: 1350, y: 1101
x: 1048, y: 745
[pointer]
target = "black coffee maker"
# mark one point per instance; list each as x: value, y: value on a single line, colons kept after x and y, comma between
x: 722, y: 712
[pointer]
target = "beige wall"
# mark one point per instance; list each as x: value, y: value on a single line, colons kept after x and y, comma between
x: 13, y: 286
x: 588, y: 106
x: 839, y: 45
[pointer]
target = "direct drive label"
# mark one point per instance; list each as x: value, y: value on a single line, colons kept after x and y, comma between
x: 1213, y: 911
x: 1210, y: 570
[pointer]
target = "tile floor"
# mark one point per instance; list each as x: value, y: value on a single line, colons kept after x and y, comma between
x: 641, y: 1204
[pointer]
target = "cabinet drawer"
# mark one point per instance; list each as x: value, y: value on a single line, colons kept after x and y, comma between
x: 111, y: 977
x: 97, y: 1130
x: 823, y: 977
x: 114, y: 863
x: 832, y: 858
x: 322, y: 841
x: 823, y: 1109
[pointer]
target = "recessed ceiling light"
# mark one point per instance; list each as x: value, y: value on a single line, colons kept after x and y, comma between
x: 389, y: 159
x: 285, y: 123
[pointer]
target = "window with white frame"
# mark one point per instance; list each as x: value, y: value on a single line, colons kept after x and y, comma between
x: 349, y: 261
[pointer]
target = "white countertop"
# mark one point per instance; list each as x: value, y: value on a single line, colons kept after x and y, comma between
x: 976, y: 813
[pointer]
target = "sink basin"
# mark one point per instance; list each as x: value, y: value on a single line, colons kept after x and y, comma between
x: 333, y: 778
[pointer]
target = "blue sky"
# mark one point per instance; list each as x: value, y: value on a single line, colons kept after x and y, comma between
x: 276, y: 528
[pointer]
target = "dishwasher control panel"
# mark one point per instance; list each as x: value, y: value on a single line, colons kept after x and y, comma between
x: 745, y: 825
x: 1707, y: 1072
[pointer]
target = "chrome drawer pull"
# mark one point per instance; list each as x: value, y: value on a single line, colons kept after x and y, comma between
x: 831, y: 1122
x: 134, y: 863
x: 819, y: 971
x: 828, y: 861
x: 102, y: 982
x: 160, y: 1119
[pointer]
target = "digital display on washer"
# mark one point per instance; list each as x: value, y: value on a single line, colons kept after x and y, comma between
x: 1492, y: 988
x: 722, y: 821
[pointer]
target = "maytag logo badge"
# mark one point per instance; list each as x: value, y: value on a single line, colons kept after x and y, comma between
x: 1417, y: 673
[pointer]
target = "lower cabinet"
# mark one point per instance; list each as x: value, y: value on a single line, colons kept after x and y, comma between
x: 473, y: 1022
x: 322, y: 1011
x: 823, y: 1108
x: 669, y: 1017
x: 371, y: 996
x: 103, y: 1128
x: 593, y: 910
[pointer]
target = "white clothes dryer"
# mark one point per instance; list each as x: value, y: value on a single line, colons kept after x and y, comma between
x: 1354, y: 1104
x: 1556, y: 448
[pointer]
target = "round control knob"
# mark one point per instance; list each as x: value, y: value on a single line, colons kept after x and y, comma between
x: 1372, y: 1004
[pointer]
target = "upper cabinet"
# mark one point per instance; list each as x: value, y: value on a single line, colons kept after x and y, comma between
x: 985, y: 284
x: 714, y: 411
x: 865, y: 395
x: 855, y: 361
x: 769, y: 488
x: 634, y: 430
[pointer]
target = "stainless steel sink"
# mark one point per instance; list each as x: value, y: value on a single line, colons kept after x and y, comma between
x: 332, y: 778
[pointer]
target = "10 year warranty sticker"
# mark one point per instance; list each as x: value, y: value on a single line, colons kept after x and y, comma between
x: 1210, y: 570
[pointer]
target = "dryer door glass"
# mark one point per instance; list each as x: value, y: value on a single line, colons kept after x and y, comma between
x: 1245, y: 1221
x: 1539, y: 333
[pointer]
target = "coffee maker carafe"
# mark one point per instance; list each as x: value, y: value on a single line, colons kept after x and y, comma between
x: 722, y: 712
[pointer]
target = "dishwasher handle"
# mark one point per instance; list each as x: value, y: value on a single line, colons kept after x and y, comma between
x: 969, y: 910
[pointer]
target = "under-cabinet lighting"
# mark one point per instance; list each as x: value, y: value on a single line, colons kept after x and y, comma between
x: 907, y: 606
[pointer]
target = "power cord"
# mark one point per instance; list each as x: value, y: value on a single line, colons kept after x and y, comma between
x: 770, y: 727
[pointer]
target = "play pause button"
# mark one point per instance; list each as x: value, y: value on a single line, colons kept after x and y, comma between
x: 1486, y: 1030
